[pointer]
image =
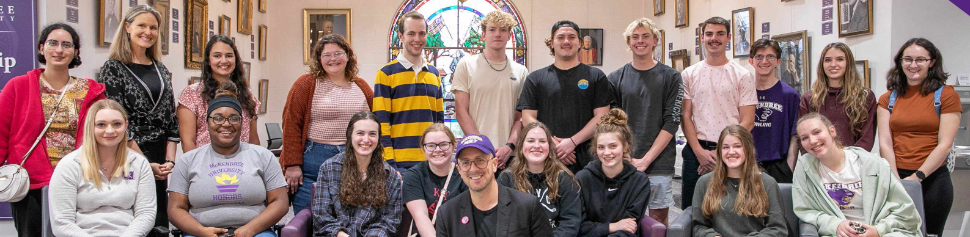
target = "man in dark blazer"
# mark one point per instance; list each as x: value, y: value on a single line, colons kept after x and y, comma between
x: 488, y: 209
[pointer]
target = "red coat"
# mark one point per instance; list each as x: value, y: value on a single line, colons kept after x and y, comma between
x: 22, y: 119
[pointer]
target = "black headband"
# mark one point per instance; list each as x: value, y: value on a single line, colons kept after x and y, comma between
x: 224, y: 101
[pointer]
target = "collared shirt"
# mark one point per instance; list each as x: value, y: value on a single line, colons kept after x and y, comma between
x: 408, y: 64
x: 331, y: 217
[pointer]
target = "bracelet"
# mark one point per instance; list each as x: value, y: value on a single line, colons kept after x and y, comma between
x: 574, y: 142
x: 511, y: 145
x: 169, y: 161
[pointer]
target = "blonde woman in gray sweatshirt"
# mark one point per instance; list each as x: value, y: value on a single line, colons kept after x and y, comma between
x: 103, y: 188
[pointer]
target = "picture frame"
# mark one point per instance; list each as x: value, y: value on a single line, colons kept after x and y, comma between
x: 742, y: 28
x: 854, y: 19
x: 164, y: 8
x: 793, y: 65
x: 263, y: 94
x: 225, y: 25
x: 863, y: 67
x: 658, y: 7
x: 109, y: 19
x: 193, y: 80
x: 591, y: 49
x: 244, y: 16
x: 679, y: 59
x: 658, y: 52
x: 247, y: 69
x: 263, y: 34
x: 703, y: 49
x: 319, y: 22
x: 196, y: 36
x: 682, y: 10
x: 262, y: 5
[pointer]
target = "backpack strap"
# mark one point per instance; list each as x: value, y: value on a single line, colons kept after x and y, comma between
x: 936, y: 100
x: 892, y: 101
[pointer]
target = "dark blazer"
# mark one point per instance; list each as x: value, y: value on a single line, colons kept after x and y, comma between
x: 519, y: 214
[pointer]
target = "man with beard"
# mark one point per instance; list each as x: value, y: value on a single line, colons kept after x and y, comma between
x: 413, y: 85
x: 717, y: 92
x: 568, y: 96
x: 488, y: 209
x: 651, y: 94
x: 777, y: 110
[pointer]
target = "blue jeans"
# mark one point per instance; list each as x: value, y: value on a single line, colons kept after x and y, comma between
x: 314, y: 155
x: 266, y: 233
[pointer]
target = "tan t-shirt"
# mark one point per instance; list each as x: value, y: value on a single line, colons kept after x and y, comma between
x: 492, y: 94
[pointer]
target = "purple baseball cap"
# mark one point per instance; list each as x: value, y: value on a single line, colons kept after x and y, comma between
x: 477, y: 141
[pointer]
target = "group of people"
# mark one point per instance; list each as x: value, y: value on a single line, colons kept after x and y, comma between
x: 564, y: 150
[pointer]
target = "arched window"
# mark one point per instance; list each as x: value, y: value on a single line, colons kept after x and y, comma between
x: 454, y: 31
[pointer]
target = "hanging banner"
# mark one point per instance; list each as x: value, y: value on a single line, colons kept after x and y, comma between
x: 18, y: 23
x: 962, y: 4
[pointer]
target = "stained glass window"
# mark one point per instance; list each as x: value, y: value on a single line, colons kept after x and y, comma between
x: 454, y: 31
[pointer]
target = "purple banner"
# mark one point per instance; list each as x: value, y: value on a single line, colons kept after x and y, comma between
x: 827, y: 28
x: 963, y: 5
x: 17, y: 52
x: 827, y: 14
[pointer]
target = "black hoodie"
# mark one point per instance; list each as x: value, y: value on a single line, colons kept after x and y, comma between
x: 601, y: 206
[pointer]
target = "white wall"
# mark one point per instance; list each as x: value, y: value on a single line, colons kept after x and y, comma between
x: 938, y: 21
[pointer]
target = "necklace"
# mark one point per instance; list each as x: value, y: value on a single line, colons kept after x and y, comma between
x: 493, y: 68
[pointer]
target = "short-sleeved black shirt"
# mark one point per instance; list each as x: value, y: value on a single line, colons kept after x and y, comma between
x: 565, y: 99
x: 485, y: 222
x: 421, y: 184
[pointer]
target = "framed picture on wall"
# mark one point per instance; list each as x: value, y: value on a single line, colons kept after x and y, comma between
x: 263, y: 94
x: 196, y: 15
x: 262, y: 42
x: 658, y: 51
x: 247, y: 69
x: 193, y: 80
x: 244, y: 16
x: 743, y: 31
x: 320, y: 22
x: 658, y: 7
x: 591, y: 52
x: 109, y: 20
x: 682, y: 13
x: 262, y: 6
x: 225, y: 25
x: 163, y: 7
x: 794, y: 59
x: 855, y: 17
x: 863, y: 67
x: 679, y: 59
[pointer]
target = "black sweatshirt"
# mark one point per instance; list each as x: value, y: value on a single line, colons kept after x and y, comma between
x: 565, y: 214
x: 607, y: 200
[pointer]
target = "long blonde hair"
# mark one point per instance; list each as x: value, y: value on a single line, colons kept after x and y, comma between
x: 551, y: 167
x: 854, y: 94
x: 89, y: 158
x: 752, y: 200
x: 121, y: 46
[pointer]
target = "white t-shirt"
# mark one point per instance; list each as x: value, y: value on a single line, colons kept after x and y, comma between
x: 493, y: 94
x: 845, y: 187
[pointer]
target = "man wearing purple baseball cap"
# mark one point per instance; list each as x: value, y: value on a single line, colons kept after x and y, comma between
x: 477, y: 212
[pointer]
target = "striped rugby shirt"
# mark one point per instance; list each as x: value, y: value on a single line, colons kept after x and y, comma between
x: 406, y: 101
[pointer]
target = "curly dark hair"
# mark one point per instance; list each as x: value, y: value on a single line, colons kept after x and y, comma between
x: 372, y: 190
x: 210, y: 85
x: 316, y: 67
x: 76, y: 61
x: 935, y: 78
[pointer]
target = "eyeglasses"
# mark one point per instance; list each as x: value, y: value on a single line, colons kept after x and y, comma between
x: 63, y: 44
x: 432, y: 146
x: 339, y: 54
x: 908, y: 60
x: 465, y: 165
x: 770, y: 57
x: 234, y: 120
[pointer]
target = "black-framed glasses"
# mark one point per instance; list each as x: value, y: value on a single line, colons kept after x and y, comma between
x: 64, y: 44
x: 770, y: 57
x: 432, y: 146
x: 908, y: 60
x: 234, y: 120
x: 465, y: 165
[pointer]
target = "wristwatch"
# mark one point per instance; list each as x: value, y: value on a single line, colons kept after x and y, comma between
x: 169, y: 161
x: 919, y: 174
x: 511, y: 145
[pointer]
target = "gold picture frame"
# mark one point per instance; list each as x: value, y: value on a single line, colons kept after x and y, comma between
x: 193, y: 80
x: 196, y: 32
x: 262, y: 5
x: 225, y: 25
x: 263, y: 34
x: 164, y: 7
x: 109, y: 20
x: 244, y: 16
x: 742, y: 29
x: 263, y: 95
x: 682, y: 13
x: 795, y: 50
x: 864, y: 70
x: 658, y: 7
x: 315, y: 26
x: 658, y: 52
x: 679, y: 59
x: 247, y: 70
x: 850, y: 20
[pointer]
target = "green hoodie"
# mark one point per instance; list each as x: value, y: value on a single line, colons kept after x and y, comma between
x: 886, y: 206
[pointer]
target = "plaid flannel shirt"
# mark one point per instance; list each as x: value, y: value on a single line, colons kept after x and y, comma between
x: 331, y: 217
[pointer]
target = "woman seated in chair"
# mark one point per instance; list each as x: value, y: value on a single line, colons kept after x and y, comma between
x: 227, y: 186
x: 103, y: 188
x: 737, y: 199
x: 425, y: 182
x: 614, y: 193
x: 357, y: 193
x: 847, y: 191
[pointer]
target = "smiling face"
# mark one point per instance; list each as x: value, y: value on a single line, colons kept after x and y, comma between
x: 58, y: 56
x: 610, y: 149
x: 732, y: 152
x: 415, y: 37
x: 477, y: 178
x: 834, y: 63
x: 225, y: 134
x: 565, y: 42
x: 333, y: 59
x: 642, y: 42
x: 816, y: 138
x: 222, y: 60
x: 142, y: 31
x: 765, y: 66
x: 535, y: 147
x: 916, y: 71
x: 364, y: 137
x: 443, y: 148
x: 327, y: 27
x: 110, y: 127
x: 715, y: 37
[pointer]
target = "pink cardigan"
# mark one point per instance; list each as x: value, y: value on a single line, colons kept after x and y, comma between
x: 22, y: 119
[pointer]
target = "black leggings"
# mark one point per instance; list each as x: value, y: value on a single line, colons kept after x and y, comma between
x: 937, y: 198
x: 155, y: 152
x: 27, y: 217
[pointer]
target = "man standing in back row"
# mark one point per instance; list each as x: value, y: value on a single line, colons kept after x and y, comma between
x: 717, y: 92
x: 568, y: 96
x: 776, y: 114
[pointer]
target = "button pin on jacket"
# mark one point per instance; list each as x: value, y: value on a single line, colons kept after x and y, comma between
x: 464, y: 220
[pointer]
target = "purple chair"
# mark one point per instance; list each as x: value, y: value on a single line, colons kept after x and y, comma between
x: 652, y: 228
